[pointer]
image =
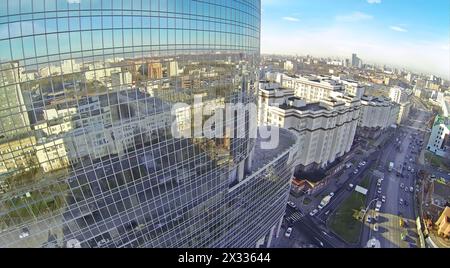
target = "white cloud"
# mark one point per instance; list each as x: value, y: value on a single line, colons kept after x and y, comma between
x: 354, y: 17
x: 291, y: 19
x: 398, y: 29
x: 374, y: 1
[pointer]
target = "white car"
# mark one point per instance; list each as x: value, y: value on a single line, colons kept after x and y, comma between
x: 288, y: 232
x: 402, y: 186
x: 25, y: 233
x: 291, y: 204
x: 331, y: 194
x: 383, y: 199
x: 314, y: 212
x: 401, y: 201
x: 375, y: 227
x: 356, y: 171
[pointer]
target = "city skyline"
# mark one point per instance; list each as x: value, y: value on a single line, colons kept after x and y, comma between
x: 403, y: 34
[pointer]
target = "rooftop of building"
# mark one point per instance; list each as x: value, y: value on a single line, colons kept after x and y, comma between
x: 314, y: 107
x: 441, y: 190
x: 286, y: 140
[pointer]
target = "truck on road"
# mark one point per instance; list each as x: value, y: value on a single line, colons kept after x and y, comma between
x: 391, y: 166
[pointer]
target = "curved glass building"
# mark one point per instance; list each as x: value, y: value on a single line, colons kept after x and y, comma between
x: 91, y: 153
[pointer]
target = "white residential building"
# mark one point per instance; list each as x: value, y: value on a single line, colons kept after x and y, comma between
x: 173, y: 68
x: 439, y: 137
x: 353, y: 88
x: 378, y: 113
x: 313, y: 88
x: 52, y: 154
x: 405, y: 109
x: 121, y: 81
x: 288, y: 66
x: 270, y: 94
x: 326, y: 129
x: 398, y: 95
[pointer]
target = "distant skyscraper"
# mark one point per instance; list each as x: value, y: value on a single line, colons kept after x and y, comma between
x: 356, y: 62
x: 98, y: 164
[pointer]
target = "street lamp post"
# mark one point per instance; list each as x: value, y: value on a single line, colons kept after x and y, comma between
x: 367, y: 209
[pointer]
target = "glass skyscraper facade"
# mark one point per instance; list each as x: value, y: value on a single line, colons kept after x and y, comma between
x: 88, y: 108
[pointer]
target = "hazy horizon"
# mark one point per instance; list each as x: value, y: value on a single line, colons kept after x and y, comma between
x: 410, y: 34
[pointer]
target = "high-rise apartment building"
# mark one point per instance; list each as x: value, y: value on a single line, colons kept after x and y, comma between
x: 325, y: 129
x: 91, y: 161
x: 398, y: 95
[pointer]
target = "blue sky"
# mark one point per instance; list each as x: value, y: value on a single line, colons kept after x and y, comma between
x: 403, y: 33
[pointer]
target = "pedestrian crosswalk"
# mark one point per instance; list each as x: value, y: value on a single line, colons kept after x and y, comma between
x: 294, y: 217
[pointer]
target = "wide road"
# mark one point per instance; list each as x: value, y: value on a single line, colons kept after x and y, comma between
x: 393, y: 188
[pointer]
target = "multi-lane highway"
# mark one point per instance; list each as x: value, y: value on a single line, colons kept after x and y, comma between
x: 403, y: 150
x: 396, y: 187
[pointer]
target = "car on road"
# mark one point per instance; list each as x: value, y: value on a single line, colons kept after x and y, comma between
x: 331, y: 194
x: 291, y: 204
x: 375, y: 227
x: 401, y: 201
x: 328, y: 212
x: 379, y: 191
x: 350, y: 187
x: 356, y: 171
x: 25, y: 233
x: 288, y: 232
x: 402, y: 185
x: 102, y: 242
x: 383, y: 199
x: 313, y: 213
x: 378, y: 206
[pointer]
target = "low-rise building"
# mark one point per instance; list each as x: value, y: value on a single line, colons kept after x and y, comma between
x: 52, y: 154
x: 439, y: 199
x: 398, y: 95
x: 17, y: 154
x: 443, y: 223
